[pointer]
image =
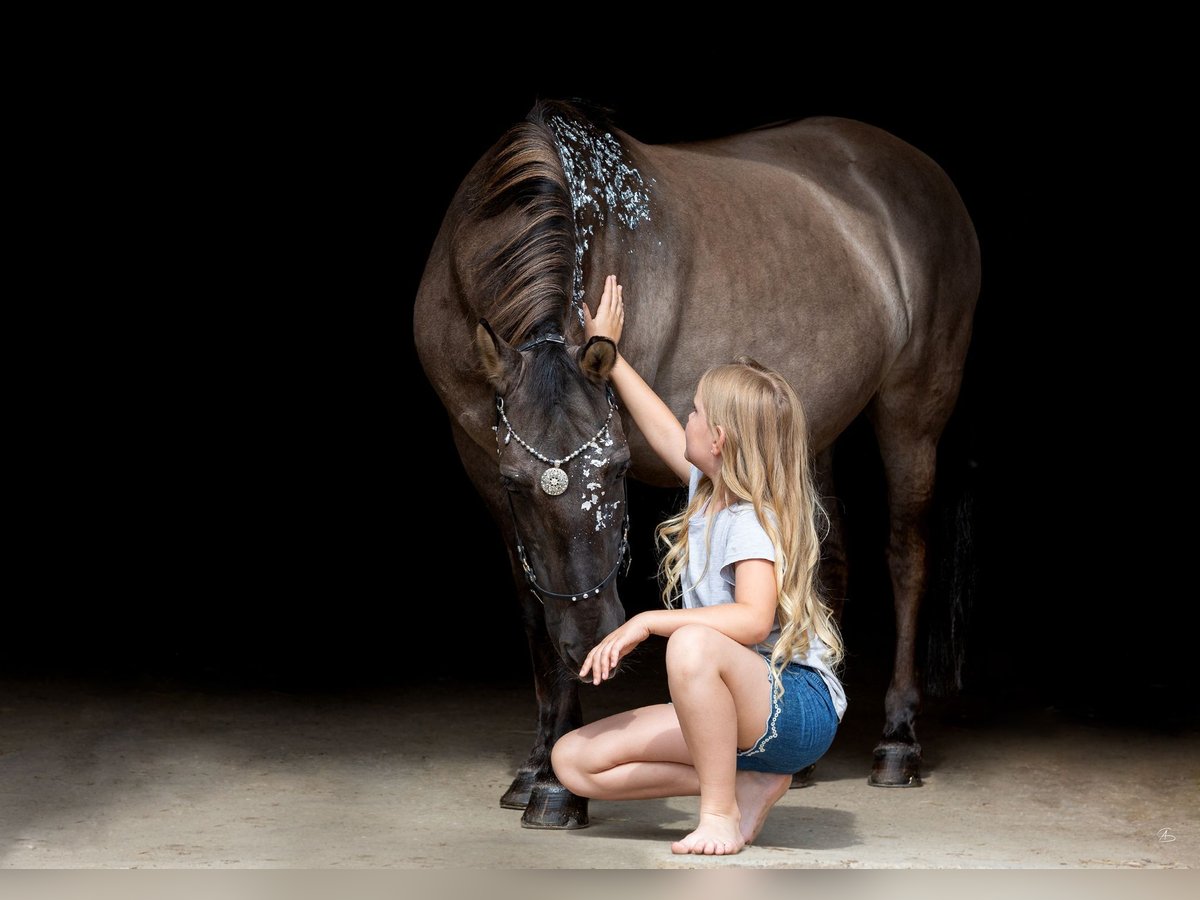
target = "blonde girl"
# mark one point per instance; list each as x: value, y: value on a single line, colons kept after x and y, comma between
x: 752, y: 648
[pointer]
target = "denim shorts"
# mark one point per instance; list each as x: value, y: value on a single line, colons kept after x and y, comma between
x: 801, y: 727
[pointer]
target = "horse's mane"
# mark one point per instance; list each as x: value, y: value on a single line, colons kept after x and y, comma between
x: 526, y: 279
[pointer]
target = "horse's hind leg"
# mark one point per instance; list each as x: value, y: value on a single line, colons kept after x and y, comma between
x: 907, y: 425
x: 833, y: 570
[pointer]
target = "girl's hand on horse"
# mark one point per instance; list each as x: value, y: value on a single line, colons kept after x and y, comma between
x: 602, y: 660
x: 610, y: 314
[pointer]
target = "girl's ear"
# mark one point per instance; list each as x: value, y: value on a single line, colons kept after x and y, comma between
x: 718, y: 443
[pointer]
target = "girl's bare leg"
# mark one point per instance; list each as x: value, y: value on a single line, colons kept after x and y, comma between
x: 721, y: 702
x: 756, y: 793
x: 633, y: 755
x: 720, y: 692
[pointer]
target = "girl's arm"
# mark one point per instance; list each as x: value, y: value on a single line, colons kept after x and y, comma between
x: 655, y: 419
x: 748, y: 620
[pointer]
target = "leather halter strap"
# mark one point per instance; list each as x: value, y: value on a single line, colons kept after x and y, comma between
x: 622, y: 555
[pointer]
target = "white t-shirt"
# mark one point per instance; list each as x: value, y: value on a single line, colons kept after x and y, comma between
x: 736, y: 535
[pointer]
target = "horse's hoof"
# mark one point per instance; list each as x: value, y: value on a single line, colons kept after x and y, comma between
x: 897, y: 764
x: 803, y: 778
x: 555, y: 807
x: 517, y: 795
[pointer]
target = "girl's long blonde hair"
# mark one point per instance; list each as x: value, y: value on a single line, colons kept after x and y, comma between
x: 764, y: 461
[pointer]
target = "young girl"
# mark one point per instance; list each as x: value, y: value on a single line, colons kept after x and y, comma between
x: 750, y: 655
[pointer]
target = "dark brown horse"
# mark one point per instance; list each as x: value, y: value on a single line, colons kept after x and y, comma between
x: 824, y: 247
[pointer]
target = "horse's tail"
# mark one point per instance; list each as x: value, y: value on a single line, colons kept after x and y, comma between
x: 950, y: 597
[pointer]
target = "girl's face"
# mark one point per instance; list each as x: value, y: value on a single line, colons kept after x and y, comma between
x: 698, y: 449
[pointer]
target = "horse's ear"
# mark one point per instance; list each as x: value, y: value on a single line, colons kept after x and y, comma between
x: 597, y: 358
x: 501, y: 362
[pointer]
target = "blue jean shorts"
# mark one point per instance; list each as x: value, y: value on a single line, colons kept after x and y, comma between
x: 801, y: 727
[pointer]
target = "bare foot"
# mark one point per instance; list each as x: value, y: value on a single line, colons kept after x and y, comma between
x: 714, y: 836
x: 756, y: 793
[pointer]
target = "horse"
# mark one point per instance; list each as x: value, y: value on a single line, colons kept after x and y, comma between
x: 825, y: 247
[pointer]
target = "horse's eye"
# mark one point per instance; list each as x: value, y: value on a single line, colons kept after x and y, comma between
x: 621, y: 468
x: 509, y: 484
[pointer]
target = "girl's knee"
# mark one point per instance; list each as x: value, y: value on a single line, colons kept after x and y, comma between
x: 689, y: 649
x: 564, y: 760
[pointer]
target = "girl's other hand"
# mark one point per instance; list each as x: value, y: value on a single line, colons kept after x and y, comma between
x: 603, y: 658
x: 610, y: 314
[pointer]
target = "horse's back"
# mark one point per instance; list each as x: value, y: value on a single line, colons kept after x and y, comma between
x: 861, y: 168
x: 832, y: 243
x: 843, y: 155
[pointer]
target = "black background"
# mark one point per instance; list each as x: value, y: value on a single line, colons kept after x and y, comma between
x: 273, y: 497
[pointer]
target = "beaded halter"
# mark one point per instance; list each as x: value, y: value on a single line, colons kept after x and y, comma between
x: 554, y: 479
x: 554, y: 482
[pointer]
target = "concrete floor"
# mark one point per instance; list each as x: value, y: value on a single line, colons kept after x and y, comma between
x: 162, y: 774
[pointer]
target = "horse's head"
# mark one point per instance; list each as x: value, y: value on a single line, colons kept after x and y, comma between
x: 516, y: 239
x: 562, y: 457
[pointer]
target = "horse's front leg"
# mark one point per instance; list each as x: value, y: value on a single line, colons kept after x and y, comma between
x: 536, y: 789
x: 546, y: 802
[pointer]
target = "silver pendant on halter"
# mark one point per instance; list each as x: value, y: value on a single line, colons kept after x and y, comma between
x: 554, y: 481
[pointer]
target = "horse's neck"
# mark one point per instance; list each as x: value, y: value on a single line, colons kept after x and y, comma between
x: 651, y: 338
